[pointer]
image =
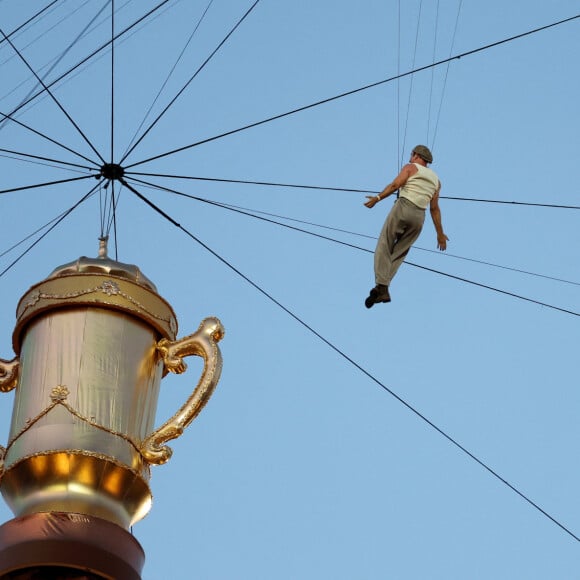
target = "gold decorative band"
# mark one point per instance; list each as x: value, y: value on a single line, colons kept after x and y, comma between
x: 104, y: 291
x: 59, y: 396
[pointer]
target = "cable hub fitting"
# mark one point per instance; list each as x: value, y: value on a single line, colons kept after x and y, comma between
x: 112, y: 171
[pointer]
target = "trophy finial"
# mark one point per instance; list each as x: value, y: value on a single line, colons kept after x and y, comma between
x: 103, y: 241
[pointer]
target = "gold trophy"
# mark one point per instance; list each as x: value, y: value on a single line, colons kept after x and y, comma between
x: 92, y: 342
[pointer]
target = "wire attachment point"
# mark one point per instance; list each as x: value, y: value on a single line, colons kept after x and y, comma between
x: 112, y: 171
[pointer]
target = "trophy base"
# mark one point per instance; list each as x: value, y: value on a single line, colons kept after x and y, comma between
x: 76, y: 482
x: 77, y: 545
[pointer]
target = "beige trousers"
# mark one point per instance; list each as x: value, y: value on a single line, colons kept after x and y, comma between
x: 402, y: 227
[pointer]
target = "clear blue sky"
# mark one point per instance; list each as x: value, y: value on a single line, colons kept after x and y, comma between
x: 301, y: 466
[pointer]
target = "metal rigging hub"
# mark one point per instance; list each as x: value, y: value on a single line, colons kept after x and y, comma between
x: 112, y: 171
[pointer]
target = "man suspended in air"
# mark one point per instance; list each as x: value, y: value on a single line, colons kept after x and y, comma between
x: 418, y: 187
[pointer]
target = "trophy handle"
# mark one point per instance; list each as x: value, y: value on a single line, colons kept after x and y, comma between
x: 8, y: 374
x: 202, y: 343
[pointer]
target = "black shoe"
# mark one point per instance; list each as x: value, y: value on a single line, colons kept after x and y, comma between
x: 371, y: 300
x: 382, y: 293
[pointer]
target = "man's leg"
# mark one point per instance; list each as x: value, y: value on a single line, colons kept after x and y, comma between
x: 402, y: 227
x: 392, y: 229
x: 410, y: 222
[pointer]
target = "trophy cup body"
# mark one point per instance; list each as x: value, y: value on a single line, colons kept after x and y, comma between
x: 93, y: 342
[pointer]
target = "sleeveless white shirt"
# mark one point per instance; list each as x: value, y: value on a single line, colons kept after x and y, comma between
x: 421, y: 187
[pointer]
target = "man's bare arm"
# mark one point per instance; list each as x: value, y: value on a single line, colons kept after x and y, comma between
x: 397, y: 183
x: 442, y: 239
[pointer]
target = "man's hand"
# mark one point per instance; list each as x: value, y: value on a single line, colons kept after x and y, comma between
x: 442, y: 240
x: 371, y: 201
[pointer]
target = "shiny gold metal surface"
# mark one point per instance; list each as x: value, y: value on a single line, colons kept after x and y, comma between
x: 94, y: 290
x: 79, y: 482
x: 89, y: 379
x: 93, y: 342
x: 201, y: 343
x: 104, y: 265
x: 8, y: 374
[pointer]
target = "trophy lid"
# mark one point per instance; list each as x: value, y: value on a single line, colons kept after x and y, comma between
x: 103, y: 265
x: 101, y: 283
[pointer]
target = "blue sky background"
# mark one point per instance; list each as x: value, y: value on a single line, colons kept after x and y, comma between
x: 301, y: 466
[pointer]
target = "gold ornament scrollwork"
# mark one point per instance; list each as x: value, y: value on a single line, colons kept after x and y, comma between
x: 8, y: 374
x: 202, y: 343
x: 58, y: 396
x: 108, y: 287
x: 59, y: 393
